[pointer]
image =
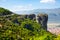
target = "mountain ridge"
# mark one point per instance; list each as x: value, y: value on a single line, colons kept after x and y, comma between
x: 36, y: 11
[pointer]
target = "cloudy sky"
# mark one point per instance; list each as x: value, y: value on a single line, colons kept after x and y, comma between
x: 20, y: 5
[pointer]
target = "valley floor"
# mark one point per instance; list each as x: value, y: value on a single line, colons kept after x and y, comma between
x: 54, y: 28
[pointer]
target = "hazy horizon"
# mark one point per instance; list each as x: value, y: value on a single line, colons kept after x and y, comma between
x: 21, y: 5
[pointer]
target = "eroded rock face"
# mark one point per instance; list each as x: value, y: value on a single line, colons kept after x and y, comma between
x: 42, y: 19
x: 31, y: 16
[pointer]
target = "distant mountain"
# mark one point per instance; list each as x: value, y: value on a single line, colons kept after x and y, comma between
x: 54, y: 14
x: 36, y: 11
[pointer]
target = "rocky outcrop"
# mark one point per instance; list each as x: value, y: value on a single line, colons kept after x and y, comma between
x: 31, y: 16
x: 40, y: 18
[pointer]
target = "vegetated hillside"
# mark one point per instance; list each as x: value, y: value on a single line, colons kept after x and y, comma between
x: 4, y: 11
x: 13, y: 27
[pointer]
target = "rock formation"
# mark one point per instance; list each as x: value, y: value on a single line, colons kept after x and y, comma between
x: 40, y: 18
x: 32, y: 16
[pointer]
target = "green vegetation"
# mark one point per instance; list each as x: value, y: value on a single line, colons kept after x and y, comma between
x: 14, y: 28
x: 4, y: 11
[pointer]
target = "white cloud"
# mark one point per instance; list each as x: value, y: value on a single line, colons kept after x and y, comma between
x: 21, y: 8
x: 47, y: 1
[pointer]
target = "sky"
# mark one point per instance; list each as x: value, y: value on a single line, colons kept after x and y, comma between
x: 20, y: 5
